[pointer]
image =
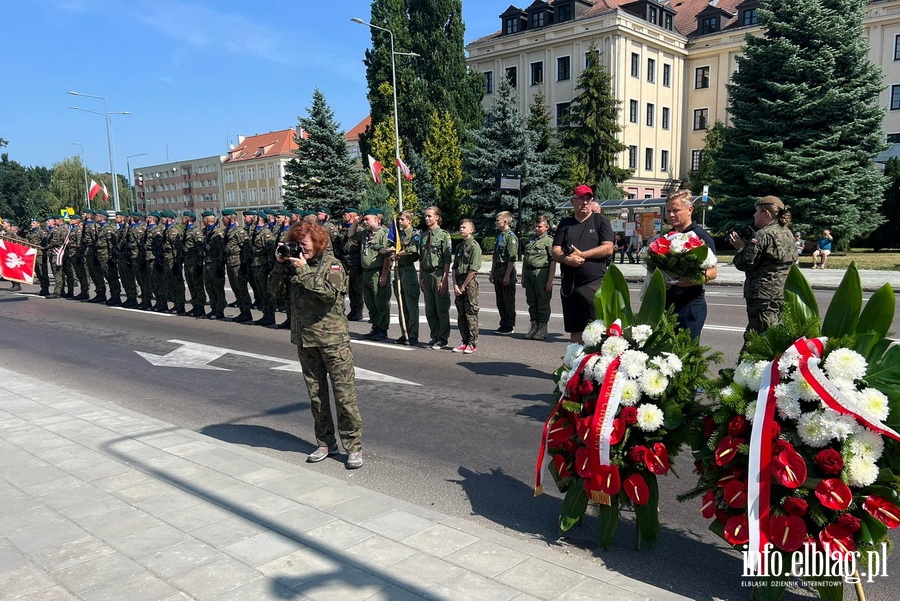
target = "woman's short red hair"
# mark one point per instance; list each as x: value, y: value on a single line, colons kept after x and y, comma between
x: 318, y: 234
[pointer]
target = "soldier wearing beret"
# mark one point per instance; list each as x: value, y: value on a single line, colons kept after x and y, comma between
x: 406, y: 280
x: 234, y: 240
x: 68, y: 266
x: 89, y: 244
x: 283, y: 224
x: 347, y: 250
x: 374, y: 249
x: 56, y: 239
x: 250, y: 220
x: 36, y: 236
x: 191, y: 244
x: 173, y: 253
x: 213, y: 254
x: 137, y: 237
x: 156, y: 263
x: 262, y: 247
x: 125, y: 222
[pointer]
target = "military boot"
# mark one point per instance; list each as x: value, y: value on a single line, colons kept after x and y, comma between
x: 130, y: 303
x: 98, y: 299
x: 285, y: 325
x: 114, y: 301
x: 16, y: 287
x: 178, y: 310
x: 244, y: 316
x: 267, y: 319
x: 532, y: 331
x: 81, y: 296
x: 541, y: 331
x: 197, y: 311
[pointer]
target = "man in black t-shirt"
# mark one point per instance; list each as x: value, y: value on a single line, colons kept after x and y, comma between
x: 582, y: 246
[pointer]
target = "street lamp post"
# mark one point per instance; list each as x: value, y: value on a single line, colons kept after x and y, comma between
x: 87, y: 194
x: 396, y: 121
x: 131, y: 177
x: 109, y: 141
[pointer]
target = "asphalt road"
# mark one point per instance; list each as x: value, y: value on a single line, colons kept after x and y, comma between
x: 457, y: 433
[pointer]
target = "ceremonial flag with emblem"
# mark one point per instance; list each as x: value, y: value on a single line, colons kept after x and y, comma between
x: 17, y: 261
x: 94, y: 189
x: 375, y: 168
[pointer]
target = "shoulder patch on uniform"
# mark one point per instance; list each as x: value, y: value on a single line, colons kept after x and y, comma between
x: 335, y: 267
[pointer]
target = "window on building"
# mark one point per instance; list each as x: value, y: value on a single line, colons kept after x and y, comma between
x: 251, y: 174
x: 701, y: 117
x: 669, y: 23
x: 653, y: 15
x: 701, y: 78
x: 667, y: 75
x: 272, y: 193
x: 240, y: 174
x: 895, y: 97
x: 633, y: 111
x: 537, y: 19
x: 229, y: 176
x: 749, y: 17
x: 562, y: 114
x: 252, y: 194
x: 651, y: 70
x: 651, y: 112
x: 511, y: 76
x: 262, y: 195
x: 537, y: 73
x: 632, y: 157
x: 512, y: 25
x: 564, y: 12
x: 563, y: 68
x: 271, y: 171
x: 648, y: 159
x: 897, y: 47
x: 243, y: 196
x: 665, y: 117
x: 488, y: 82
x: 663, y: 160
x: 696, y: 159
x: 893, y: 138
x: 709, y: 24
x: 635, y: 64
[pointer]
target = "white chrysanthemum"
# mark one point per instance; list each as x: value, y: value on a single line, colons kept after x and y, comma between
x: 807, y: 393
x: 710, y: 261
x: 654, y: 382
x: 812, y: 430
x: 563, y: 379
x: 633, y: 363
x: 571, y: 350
x: 677, y: 246
x: 742, y: 373
x: 754, y: 381
x: 614, y: 346
x: 873, y: 402
x: 788, y: 363
x: 861, y: 471
x: 845, y: 363
x: 631, y: 393
x: 838, y: 426
x: 788, y: 408
x: 786, y: 391
x: 593, y: 333
x: 847, y: 387
x: 640, y: 333
x: 865, y: 444
x: 667, y: 363
x: 649, y: 418
x: 750, y: 411
x: 598, y: 369
x: 728, y: 393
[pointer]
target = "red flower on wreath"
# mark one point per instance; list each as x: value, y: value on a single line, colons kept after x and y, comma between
x: 848, y: 524
x: 561, y: 465
x: 661, y: 246
x: 693, y: 242
x: 736, y: 494
x: 583, y: 462
x: 637, y: 490
x: 629, y: 415
x: 709, y: 504
x: 789, y: 469
x: 795, y: 506
x: 608, y: 479
x: 839, y: 544
x: 830, y: 462
x: 618, y: 431
x: 834, y: 494
x: 727, y: 449
x: 738, y: 425
x: 737, y: 531
x: 883, y: 510
x: 787, y: 532
x: 561, y: 430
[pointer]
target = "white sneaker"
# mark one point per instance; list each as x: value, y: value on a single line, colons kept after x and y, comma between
x: 461, y: 348
x: 470, y: 348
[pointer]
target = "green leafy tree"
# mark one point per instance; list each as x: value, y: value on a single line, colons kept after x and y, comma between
x: 590, y: 131
x: 805, y: 120
x: 505, y: 144
x: 321, y: 174
x: 67, y: 183
x: 705, y: 175
x: 444, y: 159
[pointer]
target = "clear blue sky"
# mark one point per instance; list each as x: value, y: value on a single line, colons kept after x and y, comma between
x: 193, y: 73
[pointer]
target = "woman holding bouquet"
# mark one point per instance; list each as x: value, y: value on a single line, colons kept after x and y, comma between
x: 686, y: 296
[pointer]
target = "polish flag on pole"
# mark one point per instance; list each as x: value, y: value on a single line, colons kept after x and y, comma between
x: 406, y: 172
x: 105, y: 193
x: 375, y: 168
x: 17, y: 261
x: 94, y: 189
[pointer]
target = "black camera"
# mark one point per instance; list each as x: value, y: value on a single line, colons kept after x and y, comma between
x: 288, y: 250
x: 746, y: 233
x: 568, y: 249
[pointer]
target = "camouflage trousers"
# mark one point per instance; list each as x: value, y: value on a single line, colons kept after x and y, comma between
x: 214, y: 281
x: 57, y: 272
x: 96, y: 274
x: 81, y: 274
x: 174, y: 282
x: 467, y: 311
x: 506, y: 298
x: 535, y: 282
x: 158, y: 281
x: 40, y: 273
x: 68, y: 271
x: 142, y: 275
x: 126, y: 275
x: 238, y: 283
x: 406, y: 290
x: 378, y: 299
x: 437, y: 307
x: 110, y: 270
x: 193, y: 273
x: 261, y: 278
x: 762, y: 314
x: 318, y: 363
x: 355, y: 289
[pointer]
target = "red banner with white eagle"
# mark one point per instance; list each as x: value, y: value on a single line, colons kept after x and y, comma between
x: 17, y: 261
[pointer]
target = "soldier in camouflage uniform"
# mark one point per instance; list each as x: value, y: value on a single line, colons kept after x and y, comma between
x: 466, y: 264
x: 213, y: 256
x: 406, y: 279
x: 317, y: 284
x: 56, y: 239
x: 173, y: 253
x: 235, y: 242
x: 78, y: 260
x: 250, y: 220
x: 374, y: 245
x: 283, y: 223
x: 68, y: 266
x: 107, y: 255
x: 766, y: 260
x: 192, y: 243
x: 124, y: 221
x: 503, y: 272
x: 89, y: 241
x: 262, y: 245
x: 137, y: 238
x: 36, y: 236
x: 156, y: 263
x: 538, y: 270
x: 349, y: 255
x: 435, y: 257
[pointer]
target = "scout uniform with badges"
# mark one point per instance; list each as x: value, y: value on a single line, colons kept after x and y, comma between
x: 435, y: 253
x: 373, y: 250
x: 536, y: 264
x: 506, y: 250
x: 467, y: 259
x: 406, y: 283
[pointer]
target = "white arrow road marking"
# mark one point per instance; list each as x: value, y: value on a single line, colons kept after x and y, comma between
x: 192, y: 355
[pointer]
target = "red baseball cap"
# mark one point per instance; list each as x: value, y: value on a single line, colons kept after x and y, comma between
x: 583, y: 190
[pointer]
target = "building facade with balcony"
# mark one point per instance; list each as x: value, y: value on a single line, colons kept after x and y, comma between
x: 669, y: 64
x: 193, y: 185
x: 253, y: 171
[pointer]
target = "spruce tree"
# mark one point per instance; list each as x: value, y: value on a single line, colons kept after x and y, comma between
x: 321, y: 174
x: 505, y: 144
x: 805, y: 120
x: 590, y: 132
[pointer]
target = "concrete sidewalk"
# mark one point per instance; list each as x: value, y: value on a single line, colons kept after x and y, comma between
x: 101, y: 503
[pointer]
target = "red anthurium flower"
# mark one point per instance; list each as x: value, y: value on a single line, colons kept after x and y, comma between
x: 662, y: 452
x: 789, y: 469
x: 618, y: 431
x: 560, y: 431
x: 886, y: 512
x: 780, y: 446
x: 737, y: 425
x: 562, y: 466
x: 608, y: 479
x: 727, y: 449
x: 636, y: 453
x: 583, y: 428
x: 788, y: 532
x: 709, y: 504
x: 776, y: 430
x: 834, y: 494
x: 583, y: 462
x: 656, y: 463
x: 722, y: 516
x: 590, y: 404
x: 736, y: 494
x: 736, y: 530
x: 586, y: 387
x: 660, y: 246
x: 692, y: 243
x: 629, y: 415
x: 724, y: 480
x: 847, y: 524
x: 709, y: 426
x: 637, y: 490
x: 830, y: 461
x: 570, y: 446
x: 838, y: 544
x: 795, y: 506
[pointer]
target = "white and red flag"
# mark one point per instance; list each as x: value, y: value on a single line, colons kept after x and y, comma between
x: 375, y: 168
x: 94, y: 189
x: 406, y: 172
x: 105, y: 192
x: 17, y: 261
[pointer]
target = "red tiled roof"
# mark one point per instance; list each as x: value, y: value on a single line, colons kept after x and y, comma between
x: 273, y: 143
x: 354, y: 134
